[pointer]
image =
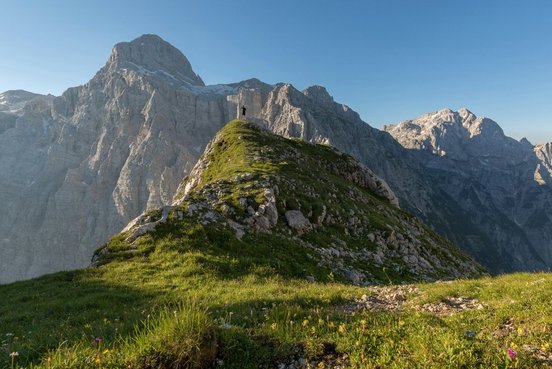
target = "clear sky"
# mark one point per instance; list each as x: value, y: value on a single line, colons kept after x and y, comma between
x: 389, y: 60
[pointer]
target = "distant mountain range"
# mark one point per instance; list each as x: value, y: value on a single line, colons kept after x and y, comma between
x: 75, y: 169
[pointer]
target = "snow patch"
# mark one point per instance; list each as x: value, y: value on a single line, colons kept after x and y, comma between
x: 213, y: 90
x: 144, y: 71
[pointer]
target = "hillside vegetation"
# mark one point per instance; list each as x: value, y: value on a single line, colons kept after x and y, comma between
x: 268, y: 259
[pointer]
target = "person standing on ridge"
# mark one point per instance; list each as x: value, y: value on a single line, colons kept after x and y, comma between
x: 243, y: 110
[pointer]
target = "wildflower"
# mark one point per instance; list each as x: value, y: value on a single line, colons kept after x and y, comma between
x: 305, y: 322
x: 98, y: 359
x: 96, y: 341
x: 273, y: 326
x: 511, y: 353
x: 13, y: 355
x: 320, y: 321
x: 341, y: 328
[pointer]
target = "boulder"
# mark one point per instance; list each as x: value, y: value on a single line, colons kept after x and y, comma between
x: 296, y: 220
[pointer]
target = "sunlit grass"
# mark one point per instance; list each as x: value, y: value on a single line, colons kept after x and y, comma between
x: 192, y: 294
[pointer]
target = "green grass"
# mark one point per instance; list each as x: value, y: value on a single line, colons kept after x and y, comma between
x: 258, y: 315
x: 190, y: 294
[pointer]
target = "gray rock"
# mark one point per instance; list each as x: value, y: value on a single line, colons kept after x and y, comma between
x: 296, y: 220
x: 354, y: 276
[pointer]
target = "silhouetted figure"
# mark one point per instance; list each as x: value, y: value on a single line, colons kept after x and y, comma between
x: 243, y: 110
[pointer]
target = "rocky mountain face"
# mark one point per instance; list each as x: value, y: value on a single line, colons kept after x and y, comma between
x: 253, y: 186
x: 75, y: 169
x: 501, y: 182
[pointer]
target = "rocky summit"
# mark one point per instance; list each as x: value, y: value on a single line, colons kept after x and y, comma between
x: 253, y: 187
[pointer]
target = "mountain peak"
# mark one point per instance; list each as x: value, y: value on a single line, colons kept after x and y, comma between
x: 150, y: 54
x: 319, y: 94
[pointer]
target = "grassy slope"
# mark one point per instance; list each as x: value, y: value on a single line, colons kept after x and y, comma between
x: 71, y: 309
x: 259, y: 307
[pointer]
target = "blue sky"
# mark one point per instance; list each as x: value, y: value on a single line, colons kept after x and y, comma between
x: 389, y: 60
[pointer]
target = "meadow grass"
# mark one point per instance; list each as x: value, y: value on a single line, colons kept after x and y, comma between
x: 257, y: 314
x: 191, y: 295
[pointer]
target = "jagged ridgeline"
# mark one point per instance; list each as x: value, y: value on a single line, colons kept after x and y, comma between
x: 300, y: 209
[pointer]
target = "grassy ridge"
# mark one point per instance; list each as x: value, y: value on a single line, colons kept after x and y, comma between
x: 192, y: 295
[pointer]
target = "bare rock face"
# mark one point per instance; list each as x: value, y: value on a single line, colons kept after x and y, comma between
x: 503, y: 182
x: 150, y: 55
x: 75, y: 169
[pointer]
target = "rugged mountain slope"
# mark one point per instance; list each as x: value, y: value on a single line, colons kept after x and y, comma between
x: 75, y: 170
x: 503, y: 183
x: 250, y: 182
